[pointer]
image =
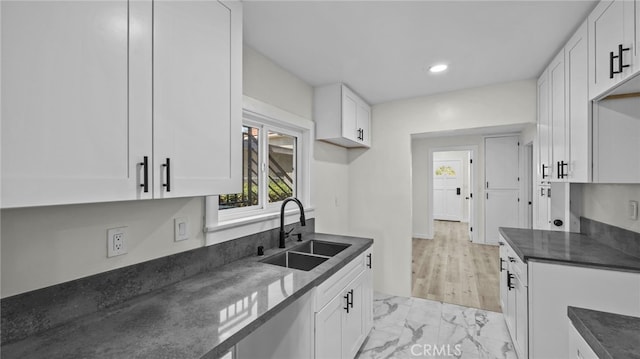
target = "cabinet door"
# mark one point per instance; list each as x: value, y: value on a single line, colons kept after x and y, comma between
x: 349, y: 114
x: 578, y: 347
x: 364, y: 123
x: 367, y: 296
x: 328, y: 329
x: 501, y: 162
x: 501, y: 210
x: 522, y: 318
x: 68, y: 132
x: 544, y: 128
x: 611, y: 24
x: 557, y: 111
x: 197, y: 94
x: 552, y: 287
x: 542, y: 207
x: 353, y: 322
x: 578, y: 107
x: 503, y: 263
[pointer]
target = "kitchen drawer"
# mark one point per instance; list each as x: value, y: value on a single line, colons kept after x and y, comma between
x: 337, y: 282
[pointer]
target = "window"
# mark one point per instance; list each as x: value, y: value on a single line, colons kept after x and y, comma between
x: 269, y: 167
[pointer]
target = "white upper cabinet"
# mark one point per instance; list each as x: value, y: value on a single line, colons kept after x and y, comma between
x: 68, y: 132
x: 197, y: 105
x: 98, y: 94
x: 559, y: 161
x: 341, y: 116
x: 544, y: 128
x: 578, y: 108
x: 613, y: 54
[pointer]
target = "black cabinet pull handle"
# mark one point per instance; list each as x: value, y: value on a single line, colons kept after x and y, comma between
x: 541, y: 192
x: 611, y: 71
x: 349, y: 298
x: 558, y: 171
x: 369, y: 257
x: 562, y: 165
x: 621, y: 58
x: 549, y: 192
x: 543, y: 173
x: 145, y: 174
x: 501, y: 261
x: 167, y: 165
x: 346, y: 307
x: 509, y: 279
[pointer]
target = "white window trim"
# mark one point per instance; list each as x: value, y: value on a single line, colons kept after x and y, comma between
x: 265, y: 217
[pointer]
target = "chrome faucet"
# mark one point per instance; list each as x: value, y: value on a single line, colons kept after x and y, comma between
x: 283, y: 235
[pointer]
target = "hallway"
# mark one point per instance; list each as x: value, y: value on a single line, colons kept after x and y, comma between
x: 451, y: 269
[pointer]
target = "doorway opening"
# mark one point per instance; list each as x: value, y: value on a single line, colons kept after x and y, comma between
x: 450, y: 262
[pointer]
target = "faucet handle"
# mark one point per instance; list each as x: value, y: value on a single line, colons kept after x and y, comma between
x: 288, y: 232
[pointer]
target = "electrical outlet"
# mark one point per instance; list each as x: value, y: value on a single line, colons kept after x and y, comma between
x: 116, y: 241
x: 181, y: 228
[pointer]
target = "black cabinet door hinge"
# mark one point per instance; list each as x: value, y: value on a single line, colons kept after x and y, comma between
x: 471, y: 160
x: 470, y: 229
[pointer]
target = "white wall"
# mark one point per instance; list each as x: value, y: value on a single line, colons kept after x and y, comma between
x: 380, y: 202
x: 608, y: 203
x: 48, y: 245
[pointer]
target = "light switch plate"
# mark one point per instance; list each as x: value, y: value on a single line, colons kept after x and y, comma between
x: 181, y: 228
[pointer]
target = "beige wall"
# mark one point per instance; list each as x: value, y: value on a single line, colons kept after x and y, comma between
x: 608, y: 203
x: 380, y: 202
x: 48, y: 245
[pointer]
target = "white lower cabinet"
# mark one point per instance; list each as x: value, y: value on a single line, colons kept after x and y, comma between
x: 331, y: 321
x: 553, y: 287
x: 513, y: 297
x: 342, y: 324
x: 578, y: 347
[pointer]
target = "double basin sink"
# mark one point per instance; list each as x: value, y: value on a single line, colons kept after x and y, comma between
x: 306, y: 256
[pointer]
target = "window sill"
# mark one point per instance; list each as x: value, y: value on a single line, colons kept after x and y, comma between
x: 257, y: 218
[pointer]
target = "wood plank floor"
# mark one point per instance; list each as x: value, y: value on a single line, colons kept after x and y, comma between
x: 451, y: 269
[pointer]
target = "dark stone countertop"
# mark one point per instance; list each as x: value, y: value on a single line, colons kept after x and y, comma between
x: 568, y: 248
x: 200, y: 317
x: 611, y: 336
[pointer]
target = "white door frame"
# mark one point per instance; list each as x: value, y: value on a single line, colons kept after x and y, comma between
x: 473, y: 149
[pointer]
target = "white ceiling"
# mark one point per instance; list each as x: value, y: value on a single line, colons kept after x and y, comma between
x: 381, y: 49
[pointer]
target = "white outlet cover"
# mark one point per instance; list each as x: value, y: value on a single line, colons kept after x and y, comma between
x: 116, y: 241
x: 181, y: 228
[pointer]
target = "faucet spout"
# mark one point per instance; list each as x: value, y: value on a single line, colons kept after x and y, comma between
x: 302, y: 219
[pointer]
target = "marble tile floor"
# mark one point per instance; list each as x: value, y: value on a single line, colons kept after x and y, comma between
x: 420, y: 328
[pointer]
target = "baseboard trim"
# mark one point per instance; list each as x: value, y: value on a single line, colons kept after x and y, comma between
x: 421, y: 236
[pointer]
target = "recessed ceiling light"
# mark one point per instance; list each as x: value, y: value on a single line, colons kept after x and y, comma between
x: 438, y: 68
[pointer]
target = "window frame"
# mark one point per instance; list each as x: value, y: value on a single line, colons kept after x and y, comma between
x: 267, y: 117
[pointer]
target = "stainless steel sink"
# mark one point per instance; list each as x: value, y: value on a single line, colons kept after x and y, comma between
x: 322, y: 248
x: 296, y: 260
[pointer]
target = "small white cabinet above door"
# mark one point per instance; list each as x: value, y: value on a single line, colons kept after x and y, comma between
x: 342, y: 117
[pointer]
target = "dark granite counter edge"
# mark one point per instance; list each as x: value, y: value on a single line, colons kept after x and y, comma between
x: 574, y: 263
x: 234, y: 339
x: 588, y: 336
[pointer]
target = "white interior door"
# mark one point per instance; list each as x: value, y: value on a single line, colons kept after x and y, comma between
x: 447, y: 190
x: 501, y: 210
